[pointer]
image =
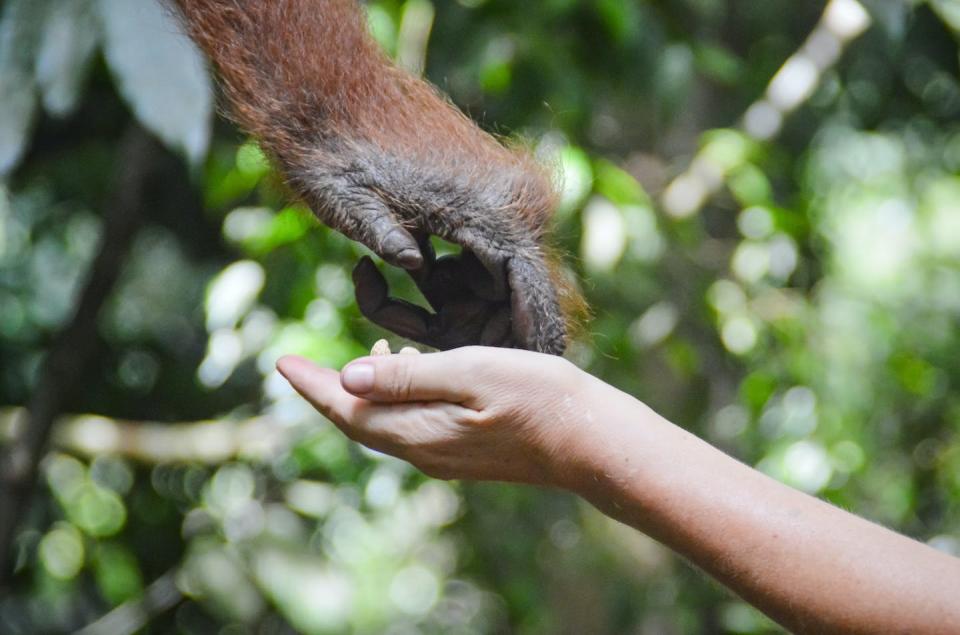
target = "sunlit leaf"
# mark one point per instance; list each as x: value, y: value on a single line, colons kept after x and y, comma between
x: 718, y: 63
x: 20, y: 24
x: 750, y: 185
x: 62, y: 552
x: 69, y: 40
x: 893, y: 16
x: 215, y: 576
x: 251, y: 160
x: 232, y: 293
x: 618, y: 185
x: 97, y: 511
x: 949, y: 10
x: 729, y: 149
x: 576, y: 177
x: 383, y: 27
x: 604, y: 235
x: 287, y: 226
x: 160, y: 73
x: 117, y: 573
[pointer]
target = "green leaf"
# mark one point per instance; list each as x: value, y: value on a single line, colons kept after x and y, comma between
x: 117, y: 573
x: 288, y: 226
x: 69, y: 40
x: 621, y: 19
x: 618, y: 185
x: 62, y: 552
x: 97, y: 511
x: 717, y: 63
x: 160, y: 73
x: 750, y: 185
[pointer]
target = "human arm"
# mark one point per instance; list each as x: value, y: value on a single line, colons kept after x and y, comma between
x: 514, y: 416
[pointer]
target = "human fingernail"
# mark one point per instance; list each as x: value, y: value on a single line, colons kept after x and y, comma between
x: 357, y: 378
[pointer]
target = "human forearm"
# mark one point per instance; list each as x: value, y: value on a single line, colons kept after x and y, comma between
x: 479, y: 414
x: 807, y: 564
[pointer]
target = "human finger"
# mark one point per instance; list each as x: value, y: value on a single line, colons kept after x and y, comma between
x: 405, y: 378
x: 321, y: 387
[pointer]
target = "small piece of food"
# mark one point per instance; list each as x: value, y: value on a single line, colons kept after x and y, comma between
x: 409, y: 350
x: 380, y: 349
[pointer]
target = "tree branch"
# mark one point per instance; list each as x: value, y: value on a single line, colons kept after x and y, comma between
x: 796, y: 81
x: 74, y: 346
x: 128, y: 618
x: 209, y: 442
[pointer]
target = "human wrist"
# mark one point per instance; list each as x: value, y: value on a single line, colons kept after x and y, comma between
x: 553, y: 435
x: 584, y: 442
x: 621, y: 452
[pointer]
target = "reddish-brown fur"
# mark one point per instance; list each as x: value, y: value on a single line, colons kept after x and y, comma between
x: 306, y: 79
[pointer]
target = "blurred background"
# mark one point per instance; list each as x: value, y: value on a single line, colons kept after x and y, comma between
x: 761, y: 199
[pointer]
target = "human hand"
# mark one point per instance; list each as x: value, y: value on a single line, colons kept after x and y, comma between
x: 472, y: 413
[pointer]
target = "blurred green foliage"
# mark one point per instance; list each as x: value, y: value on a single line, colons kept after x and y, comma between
x: 806, y: 319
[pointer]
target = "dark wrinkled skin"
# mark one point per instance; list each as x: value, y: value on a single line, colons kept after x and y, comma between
x: 497, y: 292
x: 470, y: 306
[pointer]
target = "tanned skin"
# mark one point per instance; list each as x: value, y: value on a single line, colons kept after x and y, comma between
x: 380, y: 156
x: 473, y: 414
